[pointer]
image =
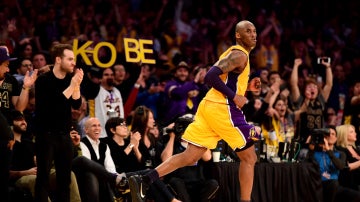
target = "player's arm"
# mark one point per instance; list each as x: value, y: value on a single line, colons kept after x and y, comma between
x: 236, y: 61
x: 233, y: 62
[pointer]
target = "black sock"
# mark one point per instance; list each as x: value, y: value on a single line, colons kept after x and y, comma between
x: 151, y: 176
x: 245, y: 200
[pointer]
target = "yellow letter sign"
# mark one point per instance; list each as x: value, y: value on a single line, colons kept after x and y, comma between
x: 83, y: 51
x: 138, y: 50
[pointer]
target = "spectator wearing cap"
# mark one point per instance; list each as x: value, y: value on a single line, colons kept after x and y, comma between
x: 6, y: 133
x: 182, y: 94
x: 17, y: 97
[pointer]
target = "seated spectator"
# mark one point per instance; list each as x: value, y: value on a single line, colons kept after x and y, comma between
x: 188, y: 182
x: 87, y: 168
x: 346, y: 143
x: 23, y: 168
x: 96, y: 187
x: 331, y: 162
x: 124, y: 145
x: 142, y: 121
x: 125, y: 149
x: 352, y: 109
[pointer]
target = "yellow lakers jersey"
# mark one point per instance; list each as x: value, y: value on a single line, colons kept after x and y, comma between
x: 236, y: 82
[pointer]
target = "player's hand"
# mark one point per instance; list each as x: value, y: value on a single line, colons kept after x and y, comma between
x: 254, y: 85
x: 258, y: 130
x: 240, y: 100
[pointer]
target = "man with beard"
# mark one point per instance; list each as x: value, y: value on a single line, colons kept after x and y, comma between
x: 57, y: 91
x: 12, y: 97
x: 23, y: 168
x: 105, y: 100
x: 183, y: 93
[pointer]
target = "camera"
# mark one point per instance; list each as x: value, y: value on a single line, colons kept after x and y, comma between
x: 325, y: 59
x: 180, y: 125
x: 317, y: 136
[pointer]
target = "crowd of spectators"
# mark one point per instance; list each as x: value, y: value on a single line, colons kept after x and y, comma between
x: 299, y: 92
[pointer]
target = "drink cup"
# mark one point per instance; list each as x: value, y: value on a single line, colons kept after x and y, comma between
x: 216, y: 156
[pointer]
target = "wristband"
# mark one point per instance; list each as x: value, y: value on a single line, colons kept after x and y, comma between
x: 24, y: 88
x: 136, y: 85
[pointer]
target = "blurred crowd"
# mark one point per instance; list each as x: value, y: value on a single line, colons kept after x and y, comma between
x: 307, y: 57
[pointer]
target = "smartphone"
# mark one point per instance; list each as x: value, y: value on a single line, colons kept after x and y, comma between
x: 325, y: 59
x: 319, y: 79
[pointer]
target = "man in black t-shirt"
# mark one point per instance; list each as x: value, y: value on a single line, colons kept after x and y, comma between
x: 56, y: 92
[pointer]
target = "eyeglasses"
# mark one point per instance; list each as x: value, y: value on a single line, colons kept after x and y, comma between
x: 27, y: 65
x: 123, y: 124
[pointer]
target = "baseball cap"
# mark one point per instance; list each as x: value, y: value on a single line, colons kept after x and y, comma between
x: 183, y: 64
x: 4, y: 55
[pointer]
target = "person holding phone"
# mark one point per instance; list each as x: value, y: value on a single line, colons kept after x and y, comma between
x: 311, y: 102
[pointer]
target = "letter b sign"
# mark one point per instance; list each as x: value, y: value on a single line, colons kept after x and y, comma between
x: 135, y: 50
